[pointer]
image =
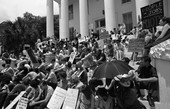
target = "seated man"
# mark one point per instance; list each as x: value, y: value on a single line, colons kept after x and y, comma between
x: 147, y: 78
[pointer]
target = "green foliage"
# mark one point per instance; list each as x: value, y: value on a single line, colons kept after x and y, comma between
x: 25, y: 30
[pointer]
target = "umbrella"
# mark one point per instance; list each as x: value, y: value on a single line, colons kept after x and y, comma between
x: 111, y: 69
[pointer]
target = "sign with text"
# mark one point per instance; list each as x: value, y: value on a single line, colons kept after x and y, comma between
x: 136, y: 45
x: 71, y: 99
x: 57, y: 98
x: 101, y: 43
x: 15, y: 100
x: 72, y: 56
x: 22, y: 104
x: 151, y: 14
x: 104, y: 35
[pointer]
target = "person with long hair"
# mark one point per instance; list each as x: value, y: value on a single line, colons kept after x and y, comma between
x: 86, y: 98
x: 165, y: 22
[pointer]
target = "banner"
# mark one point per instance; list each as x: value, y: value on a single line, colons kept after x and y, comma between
x: 57, y: 98
x: 71, y: 99
x: 15, y: 100
x: 151, y: 14
x: 136, y: 45
x: 22, y: 104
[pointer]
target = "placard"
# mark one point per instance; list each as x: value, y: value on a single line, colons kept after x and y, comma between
x: 22, y: 104
x: 72, y: 57
x: 136, y: 45
x: 151, y: 14
x: 57, y: 98
x: 82, y: 39
x: 15, y: 100
x: 71, y: 99
x: 101, y: 43
x: 104, y: 35
x: 31, y: 55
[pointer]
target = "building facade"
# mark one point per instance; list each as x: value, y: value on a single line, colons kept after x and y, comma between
x: 86, y: 15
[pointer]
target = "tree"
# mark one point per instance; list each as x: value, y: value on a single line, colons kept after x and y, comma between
x: 25, y: 30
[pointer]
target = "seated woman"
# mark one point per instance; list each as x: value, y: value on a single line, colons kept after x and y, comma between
x: 165, y: 22
x: 41, y: 101
x: 86, y: 98
x: 161, y: 35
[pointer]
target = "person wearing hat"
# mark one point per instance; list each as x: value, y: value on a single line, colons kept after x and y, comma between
x: 125, y: 92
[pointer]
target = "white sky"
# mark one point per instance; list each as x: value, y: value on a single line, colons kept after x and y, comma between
x: 11, y: 9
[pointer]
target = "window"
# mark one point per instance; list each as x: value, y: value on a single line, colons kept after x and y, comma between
x: 100, y: 23
x: 125, y: 1
x: 127, y: 20
x: 70, y: 8
x: 71, y: 30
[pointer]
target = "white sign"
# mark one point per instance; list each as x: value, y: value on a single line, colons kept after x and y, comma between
x: 57, y: 98
x: 101, y: 43
x: 15, y: 100
x: 71, y: 99
x: 72, y: 56
x: 82, y: 39
x: 22, y: 104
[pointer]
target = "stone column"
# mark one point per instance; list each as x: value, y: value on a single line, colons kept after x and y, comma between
x: 50, y: 19
x: 84, y: 30
x: 64, y: 23
x: 110, y: 14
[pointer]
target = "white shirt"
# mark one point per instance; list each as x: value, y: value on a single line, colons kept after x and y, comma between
x: 165, y: 29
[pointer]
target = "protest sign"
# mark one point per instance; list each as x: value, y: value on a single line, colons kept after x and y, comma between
x: 104, y: 35
x: 71, y: 99
x: 101, y: 43
x: 15, y: 100
x: 151, y: 14
x: 57, y: 98
x: 72, y: 56
x: 49, y: 57
x: 31, y: 55
x: 22, y: 104
x: 136, y: 45
x: 81, y: 39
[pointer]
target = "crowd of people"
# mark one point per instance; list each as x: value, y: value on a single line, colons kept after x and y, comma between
x: 53, y: 68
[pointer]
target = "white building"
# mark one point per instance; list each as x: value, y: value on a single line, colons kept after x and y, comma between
x: 107, y: 14
x: 84, y: 15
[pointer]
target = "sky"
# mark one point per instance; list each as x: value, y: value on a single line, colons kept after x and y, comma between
x: 11, y: 9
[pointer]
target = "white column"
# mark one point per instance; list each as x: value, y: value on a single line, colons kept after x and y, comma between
x: 83, y: 18
x: 110, y: 15
x: 50, y: 19
x: 64, y: 24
